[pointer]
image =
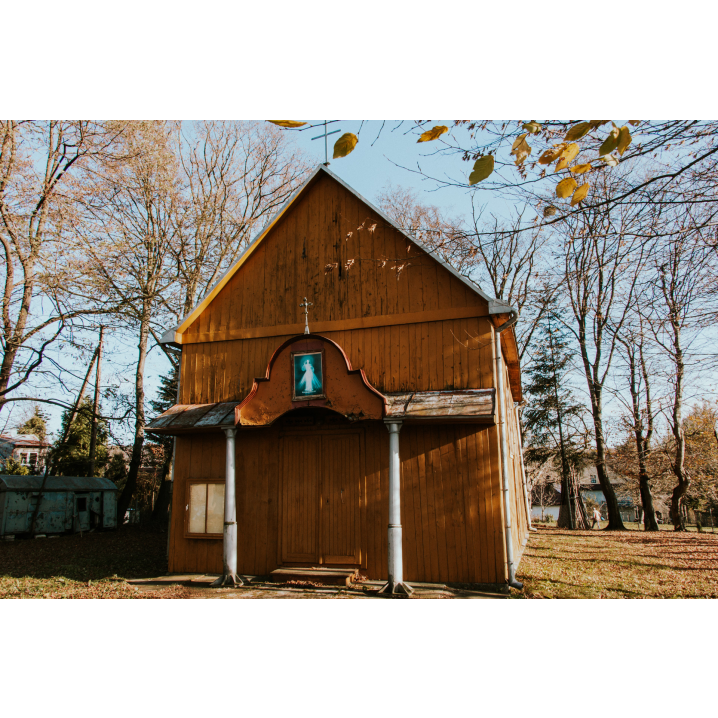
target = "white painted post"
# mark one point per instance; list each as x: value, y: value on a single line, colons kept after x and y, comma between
x: 229, y: 559
x: 395, y: 585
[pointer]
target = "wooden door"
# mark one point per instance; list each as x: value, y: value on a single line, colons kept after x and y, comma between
x: 321, y: 475
x: 340, y: 499
x: 301, y: 462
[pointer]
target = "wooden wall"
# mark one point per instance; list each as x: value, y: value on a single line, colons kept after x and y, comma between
x: 428, y: 356
x: 519, y: 513
x: 333, y: 249
x: 451, y: 502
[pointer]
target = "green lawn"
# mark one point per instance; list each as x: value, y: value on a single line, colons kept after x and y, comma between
x: 619, y: 564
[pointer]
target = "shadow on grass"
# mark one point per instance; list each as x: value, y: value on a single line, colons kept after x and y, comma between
x: 130, y: 552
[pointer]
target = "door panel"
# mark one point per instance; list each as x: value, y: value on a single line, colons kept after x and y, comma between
x: 340, y: 499
x: 301, y: 456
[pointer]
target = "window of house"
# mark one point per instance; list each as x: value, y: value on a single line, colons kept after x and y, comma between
x: 205, y: 509
x: 82, y: 504
x: 23, y: 459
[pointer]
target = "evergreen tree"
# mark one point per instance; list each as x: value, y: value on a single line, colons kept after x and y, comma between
x: 73, y: 457
x: 166, y: 398
x: 36, y: 424
x: 553, y: 414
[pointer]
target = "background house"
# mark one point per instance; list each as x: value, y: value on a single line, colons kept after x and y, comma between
x: 27, y: 449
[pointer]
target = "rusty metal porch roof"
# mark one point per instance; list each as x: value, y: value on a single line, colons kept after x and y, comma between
x: 449, y: 404
x: 182, y: 418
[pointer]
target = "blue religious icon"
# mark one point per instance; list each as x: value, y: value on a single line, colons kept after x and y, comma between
x: 308, y: 376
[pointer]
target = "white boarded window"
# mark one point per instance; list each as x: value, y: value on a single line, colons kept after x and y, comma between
x: 205, y: 509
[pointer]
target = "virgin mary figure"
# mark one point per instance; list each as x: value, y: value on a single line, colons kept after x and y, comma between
x: 309, y: 384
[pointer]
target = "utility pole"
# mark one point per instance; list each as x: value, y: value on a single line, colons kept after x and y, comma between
x: 98, y: 378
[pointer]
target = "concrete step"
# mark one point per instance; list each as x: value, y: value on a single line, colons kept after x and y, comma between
x: 322, y: 576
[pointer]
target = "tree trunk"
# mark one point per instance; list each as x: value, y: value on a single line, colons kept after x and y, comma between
x: 160, y: 513
x: 615, y: 523
x: 125, y: 499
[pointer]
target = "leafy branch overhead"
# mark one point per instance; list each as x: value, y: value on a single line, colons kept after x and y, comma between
x: 564, y: 154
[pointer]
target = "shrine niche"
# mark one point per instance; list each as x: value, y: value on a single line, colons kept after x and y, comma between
x: 319, y: 367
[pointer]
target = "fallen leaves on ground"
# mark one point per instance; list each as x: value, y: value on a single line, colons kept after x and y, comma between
x: 96, y: 565
x: 617, y: 564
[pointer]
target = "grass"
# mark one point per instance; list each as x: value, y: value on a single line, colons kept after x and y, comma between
x: 96, y: 565
x: 555, y: 564
x: 617, y: 564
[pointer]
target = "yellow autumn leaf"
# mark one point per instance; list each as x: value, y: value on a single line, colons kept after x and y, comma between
x: 580, y: 194
x: 568, y: 155
x: 287, y: 123
x: 610, y: 160
x: 550, y: 155
x: 566, y: 187
x: 610, y: 143
x: 520, y: 140
x: 521, y: 149
x: 483, y: 167
x: 533, y: 127
x: 433, y: 134
x: 345, y: 145
x: 634, y: 122
x: 624, y: 140
x: 578, y: 131
x: 580, y: 169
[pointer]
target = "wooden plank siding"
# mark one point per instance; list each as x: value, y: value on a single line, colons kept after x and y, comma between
x: 448, y: 515
x: 375, y: 270
x: 452, y: 354
x: 519, y: 515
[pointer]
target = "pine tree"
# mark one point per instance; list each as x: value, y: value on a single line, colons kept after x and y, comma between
x: 553, y: 414
x: 73, y: 457
x: 166, y: 398
x: 36, y: 424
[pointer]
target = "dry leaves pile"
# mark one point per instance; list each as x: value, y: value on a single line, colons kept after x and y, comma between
x: 634, y: 564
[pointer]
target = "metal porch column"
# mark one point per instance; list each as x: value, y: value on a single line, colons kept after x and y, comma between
x: 229, y: 559
x: 395, y: 586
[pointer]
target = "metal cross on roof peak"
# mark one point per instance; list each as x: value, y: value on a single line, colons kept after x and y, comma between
x: 325, y: 135
x: 305, y: 305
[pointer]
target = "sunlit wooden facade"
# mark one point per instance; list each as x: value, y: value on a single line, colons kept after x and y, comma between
x: 403, y: 340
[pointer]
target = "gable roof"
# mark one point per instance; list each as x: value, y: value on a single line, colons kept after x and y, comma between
x: 172, y: 336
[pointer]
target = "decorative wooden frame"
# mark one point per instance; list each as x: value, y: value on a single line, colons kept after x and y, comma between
x: 311, y: 397
x: 188, y: 497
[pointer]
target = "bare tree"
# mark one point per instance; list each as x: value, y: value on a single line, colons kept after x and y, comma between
x: 633, y: 339
x: 490, y: 252
x: 43, y: 172
x: 603, y: 255
x: 234, y: 176
x: 682, y: 287
x: 127, y: 233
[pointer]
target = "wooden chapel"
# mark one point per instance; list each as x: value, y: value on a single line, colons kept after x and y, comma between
x: 347, y: 400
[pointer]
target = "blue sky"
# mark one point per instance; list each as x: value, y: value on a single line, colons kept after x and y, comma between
x: 378, y: 161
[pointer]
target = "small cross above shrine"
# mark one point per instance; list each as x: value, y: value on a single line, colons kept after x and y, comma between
x: 305, y: 305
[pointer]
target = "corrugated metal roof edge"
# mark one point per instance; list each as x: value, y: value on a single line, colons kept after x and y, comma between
x: 9, y: 482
